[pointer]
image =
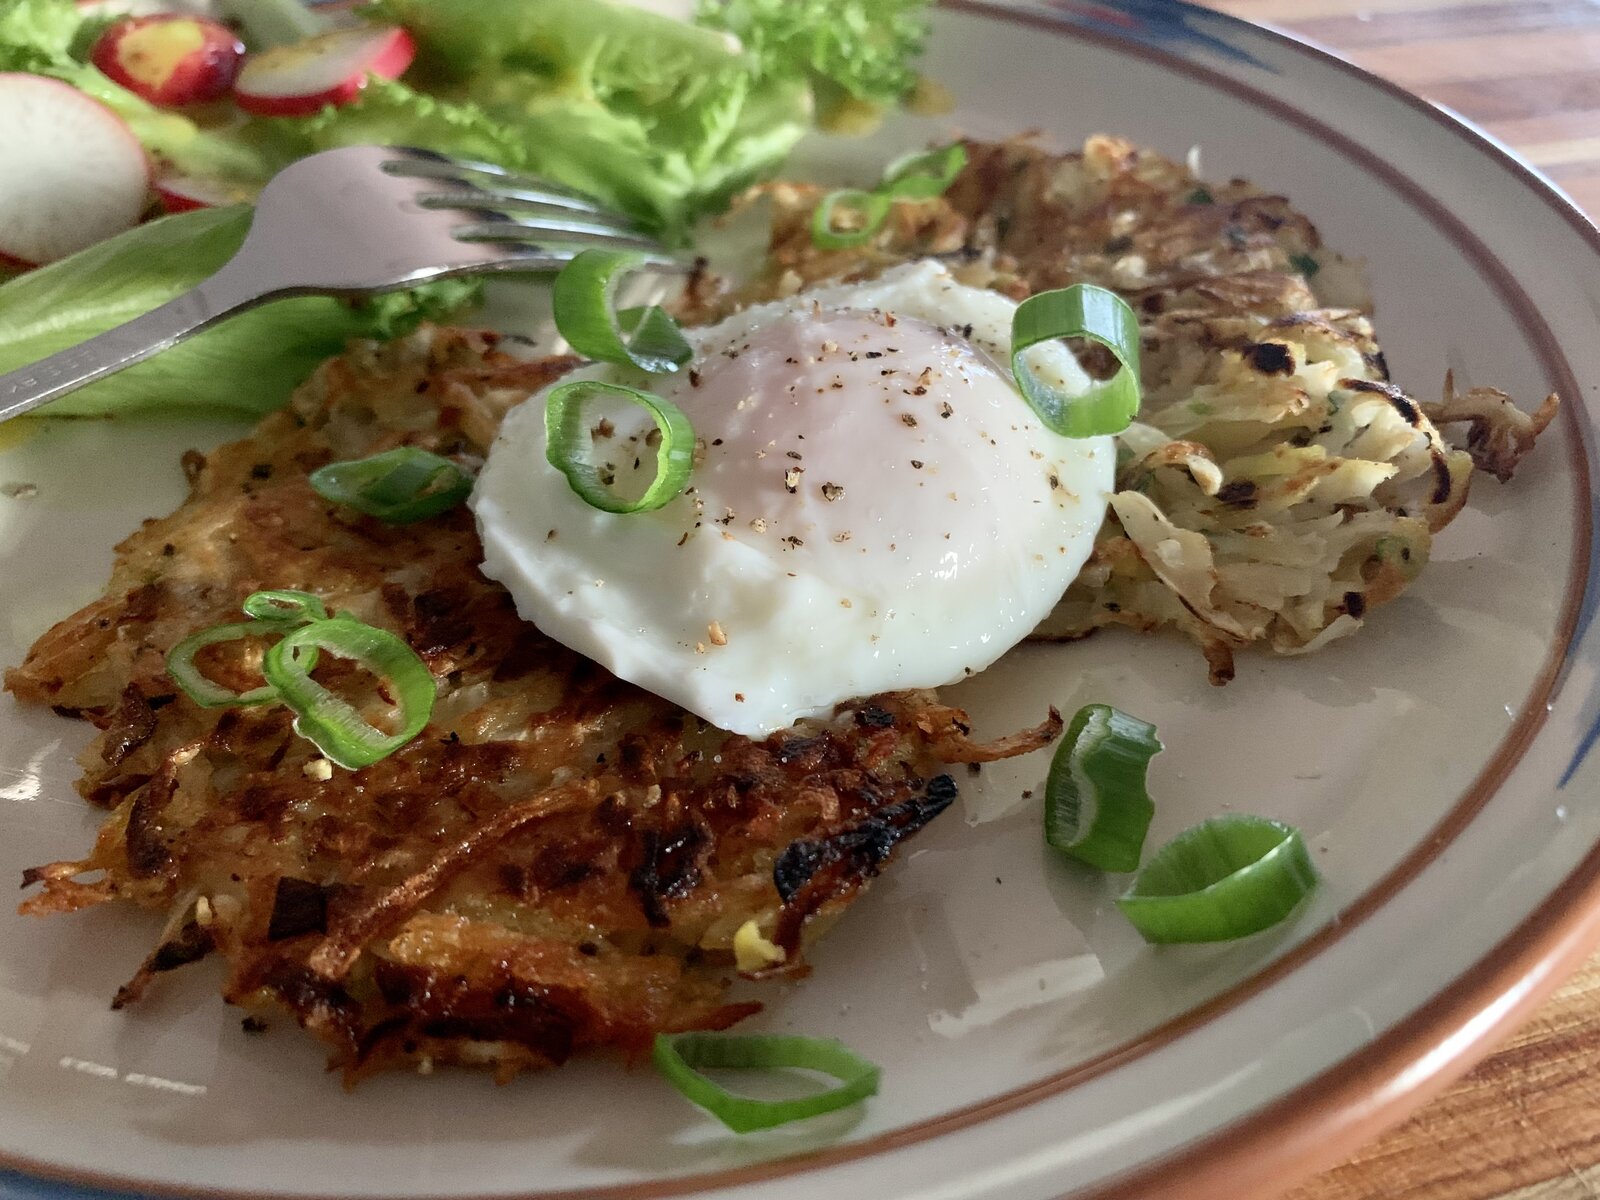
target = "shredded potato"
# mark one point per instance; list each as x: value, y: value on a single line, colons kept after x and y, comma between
x: 1277, y: 486
x: 560, y: 861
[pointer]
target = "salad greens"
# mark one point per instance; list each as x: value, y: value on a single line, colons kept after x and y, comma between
x: 248, y: 364
x: 657, y: 118
x: 863, y: 50
x: 661, y: 119
x: 390, y: 113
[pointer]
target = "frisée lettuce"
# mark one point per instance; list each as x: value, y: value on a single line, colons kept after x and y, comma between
x: 661, y: 119
x: 864, y: 49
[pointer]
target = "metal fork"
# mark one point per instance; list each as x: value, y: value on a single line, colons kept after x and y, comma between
x: 347, y: 222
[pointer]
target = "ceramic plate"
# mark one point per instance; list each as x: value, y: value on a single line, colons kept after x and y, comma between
x: 1032, y: 1046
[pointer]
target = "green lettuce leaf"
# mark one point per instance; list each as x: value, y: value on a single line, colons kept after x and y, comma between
x: 249, y: 363
x: 655, y: 117
x: 555, y: 138
x: 391, y: 114
x: 47, y: 27
x: 628, y: 55
x: 866, y: 48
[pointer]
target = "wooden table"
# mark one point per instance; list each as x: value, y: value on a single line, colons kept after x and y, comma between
x: 1526, y: 1123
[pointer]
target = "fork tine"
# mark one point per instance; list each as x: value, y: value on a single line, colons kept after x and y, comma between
x: 520, y: 259
x: 502, y: 228
x: 403, y: 157
x: 419, y: 164
x: 541, y: 257
x: 494, y: 206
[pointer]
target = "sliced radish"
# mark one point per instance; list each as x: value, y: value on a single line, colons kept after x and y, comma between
x: 170, y: 60
x: 122, y: 8
x: 185, y: 193
x: 332, y: 68
x: 74, y: 172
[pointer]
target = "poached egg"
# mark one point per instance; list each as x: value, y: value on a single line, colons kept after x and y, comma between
x: 873, y: 506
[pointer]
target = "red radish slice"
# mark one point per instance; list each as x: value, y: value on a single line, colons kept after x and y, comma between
x: 169, y: 60
x: 332, y: 68
x: 185, y: 193
x: 74, y: 173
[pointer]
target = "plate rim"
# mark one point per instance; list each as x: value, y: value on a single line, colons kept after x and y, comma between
x: 1320, y: 1121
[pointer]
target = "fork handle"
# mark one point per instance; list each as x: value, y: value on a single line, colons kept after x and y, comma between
x: 183, y: 316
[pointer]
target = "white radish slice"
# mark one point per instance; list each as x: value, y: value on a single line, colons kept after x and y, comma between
x: 332, y: 68
x: 124, y: 8
x: 73, y: 174
x: 185, y: 193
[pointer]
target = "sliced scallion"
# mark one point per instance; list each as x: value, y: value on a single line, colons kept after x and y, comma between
x: 920, y: 175
x: 924, y: 174
x: 285, y: 606
x: 1086, y: 311
x: 681, y: 1057
x: 569, y: 447
x: 273, y: 612
x: 400, y: 486
x: 584, y: 299
x: 865, y: 212
x: 1096, y: 807
x: 186, y: 673
x: 1225, y: 878
x: 342, y: 734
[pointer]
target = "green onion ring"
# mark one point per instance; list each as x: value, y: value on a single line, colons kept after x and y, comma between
x: 584, y: 297
x: 342, y: 734
x: 924, y: 174
x: 400, y: 486
x: 1082, y: 310
x: 567, y: 445
x: 920, y: 175
x: 873, y: 208
x: 285, y: 606
x: 181, y: 665
x: 681, y: 1057
x: 1225, y: 878
x: 1096, y: 807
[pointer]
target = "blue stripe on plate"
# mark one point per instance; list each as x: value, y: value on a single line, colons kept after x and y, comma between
x: 1586, y: 614
x: 23, y: 1187
x: 1182, y: 29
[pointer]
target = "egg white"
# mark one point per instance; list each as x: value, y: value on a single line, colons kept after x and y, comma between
x: 873, y: 507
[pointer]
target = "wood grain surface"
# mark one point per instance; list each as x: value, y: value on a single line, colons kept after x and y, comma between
x: 1525, y: 1124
